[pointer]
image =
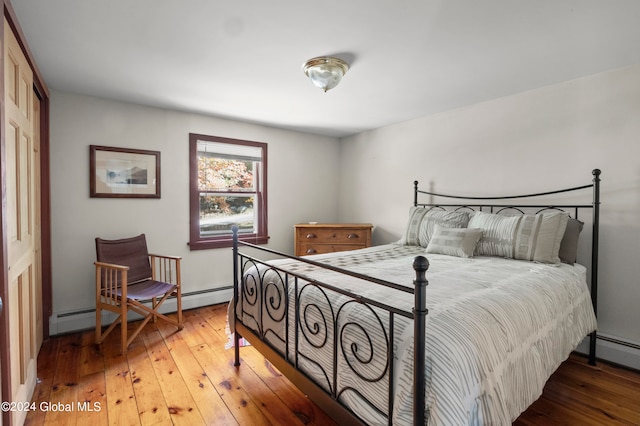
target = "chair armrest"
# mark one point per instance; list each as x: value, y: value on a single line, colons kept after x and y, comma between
x: 165, y: 268
x: 164, y: 256
x: 109, y: 278
x: 111, y: 266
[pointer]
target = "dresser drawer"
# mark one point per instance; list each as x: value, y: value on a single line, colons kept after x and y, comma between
x: 331, y: 237
x: 306, y: 249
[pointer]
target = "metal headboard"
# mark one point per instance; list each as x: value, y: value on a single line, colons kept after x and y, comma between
x: 497, y: 204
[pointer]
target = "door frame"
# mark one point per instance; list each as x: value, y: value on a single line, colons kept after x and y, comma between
x: 42, y: 92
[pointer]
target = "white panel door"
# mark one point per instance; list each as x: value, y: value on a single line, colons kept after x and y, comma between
x: 22, y: 188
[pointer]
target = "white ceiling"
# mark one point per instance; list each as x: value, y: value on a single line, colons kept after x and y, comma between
x: 242, y: 59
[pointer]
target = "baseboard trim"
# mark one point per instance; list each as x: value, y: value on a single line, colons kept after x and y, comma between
x: 85, y: 319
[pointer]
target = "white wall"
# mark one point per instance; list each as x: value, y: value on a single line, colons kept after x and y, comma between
x: 297, y: 193
x: 539, y: 140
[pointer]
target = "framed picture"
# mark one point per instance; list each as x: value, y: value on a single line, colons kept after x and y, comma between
x: 124, y: 173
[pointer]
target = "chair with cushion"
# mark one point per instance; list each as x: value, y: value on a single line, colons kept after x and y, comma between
x: 127, y: 277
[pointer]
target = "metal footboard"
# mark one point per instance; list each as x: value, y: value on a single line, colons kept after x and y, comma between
x: 338, y: 342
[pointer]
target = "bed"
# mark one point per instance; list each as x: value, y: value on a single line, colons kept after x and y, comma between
x: 460, y: 322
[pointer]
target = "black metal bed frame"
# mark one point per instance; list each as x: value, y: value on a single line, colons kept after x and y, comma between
x: 327, y: 397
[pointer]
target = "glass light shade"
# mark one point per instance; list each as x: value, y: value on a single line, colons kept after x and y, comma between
x: 325, y: 72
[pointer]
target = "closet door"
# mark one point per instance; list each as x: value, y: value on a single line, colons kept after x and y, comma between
x: 22, y: 217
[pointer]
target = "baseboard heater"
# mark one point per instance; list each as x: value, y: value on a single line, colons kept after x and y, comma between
x: 614, y: 350
x: 618, y: 341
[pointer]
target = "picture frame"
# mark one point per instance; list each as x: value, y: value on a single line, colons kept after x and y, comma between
x: 123, y: 172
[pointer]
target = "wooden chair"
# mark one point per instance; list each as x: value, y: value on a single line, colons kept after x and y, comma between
x: 127, y: 276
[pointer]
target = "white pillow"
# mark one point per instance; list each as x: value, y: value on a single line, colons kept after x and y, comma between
x: 499, y: 232
x: 459, y: 242
x: 410, y: 235
x: 525, y: 237
x: 539, y: 237
x: 443, y: 218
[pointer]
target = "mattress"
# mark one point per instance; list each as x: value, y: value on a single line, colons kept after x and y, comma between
x: 496, y: 330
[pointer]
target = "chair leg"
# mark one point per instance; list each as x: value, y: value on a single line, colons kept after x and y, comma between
x: 123, y: 327
x: 98, y: 336
x: 139, y: 328
x: 179, y: 308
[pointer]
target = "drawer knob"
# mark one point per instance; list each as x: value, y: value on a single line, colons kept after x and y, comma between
x: 311, y: 236
x: 352, y: 236
x: 311, y: 251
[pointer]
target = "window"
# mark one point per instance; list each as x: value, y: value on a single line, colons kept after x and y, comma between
x: 228, y: 186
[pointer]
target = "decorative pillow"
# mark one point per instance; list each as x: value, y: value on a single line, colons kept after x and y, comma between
x: 459, y: 242
x: 443, y: 218
x: 540, y: 236
x: 410, y: 236
x: 524, y: 237
x: 569, y: 244
x: 498, y: 235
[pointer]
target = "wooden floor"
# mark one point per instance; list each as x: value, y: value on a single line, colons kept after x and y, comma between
x: 188, y: 378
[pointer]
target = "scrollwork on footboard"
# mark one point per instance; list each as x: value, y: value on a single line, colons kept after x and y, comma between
x: 365, y: 349
x: 313, y: 321
x: 344, y: 344
x: 313, y: 334
x: 358, y: 355
x: 264, y: 300
x: 340, y: 340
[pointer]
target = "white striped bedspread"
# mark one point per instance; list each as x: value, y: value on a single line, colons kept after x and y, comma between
x: 496, y: 331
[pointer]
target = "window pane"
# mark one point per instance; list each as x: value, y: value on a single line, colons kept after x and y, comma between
x: 218, y: 213
x: 216, y: 174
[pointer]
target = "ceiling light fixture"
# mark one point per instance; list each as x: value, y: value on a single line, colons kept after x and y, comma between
x: 325, y: 72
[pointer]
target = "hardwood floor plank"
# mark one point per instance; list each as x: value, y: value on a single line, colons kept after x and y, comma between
x: 546, y: 412
x: 194, y: 336
x: 188, y: 377
x: 92, y: 400
x: 203, y: 392
x: 215, y: 337
x: 150, y: 401
x: 122, y: 406
x: 593, y: 381
x: 605, y: 397
x: 90, y: 360
x: 232, y: 393
x: 64, y: 390
x: 578, y: 393
x: 297, y: 402
x: 602, y: 409
x: 46, y: 371
x: 181, y: 405
x: 270, y: 405
x: 215, y: 316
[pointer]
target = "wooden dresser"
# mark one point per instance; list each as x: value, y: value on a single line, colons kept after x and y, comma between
x: 331, y: 237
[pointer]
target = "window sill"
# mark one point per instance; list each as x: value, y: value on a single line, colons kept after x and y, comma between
x: 226, y: 242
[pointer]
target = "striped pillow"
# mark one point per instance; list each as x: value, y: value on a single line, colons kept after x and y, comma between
x: 540, y: 237
x: 498, y: 236
x: 524, y: 237
x: 459, y: 242
x: 410, y: 235
x: 443, y: 218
